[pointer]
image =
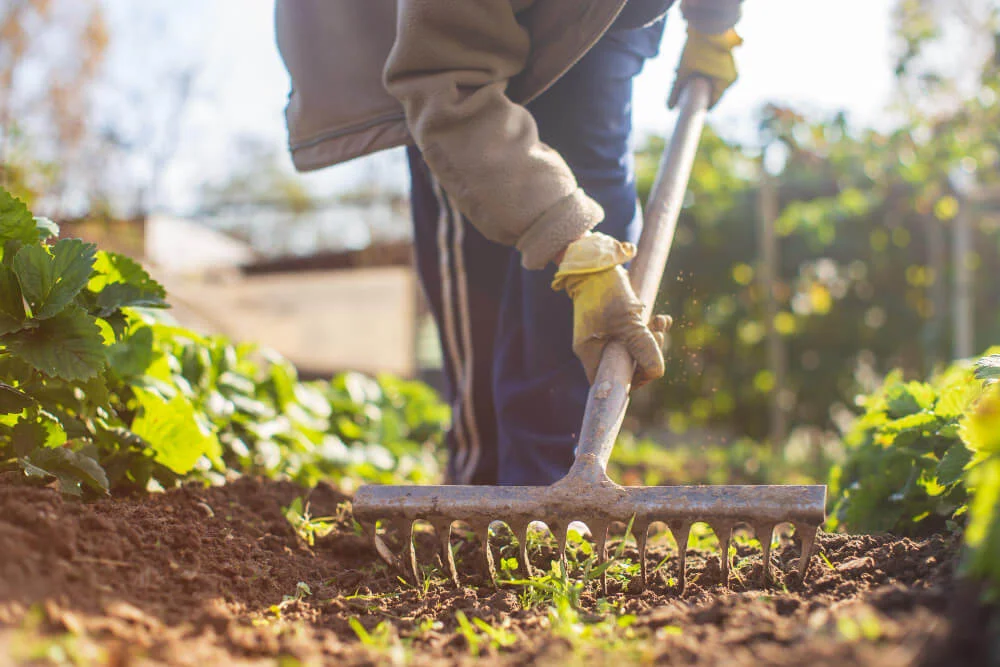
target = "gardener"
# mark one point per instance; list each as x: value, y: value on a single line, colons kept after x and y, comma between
x: 523, y: 195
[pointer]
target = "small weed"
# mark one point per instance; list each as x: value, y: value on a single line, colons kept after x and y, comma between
x: 302, y: 591
x: 864, y: 624
x: 383, y: 640
x: 427, y: 626
x: 307, y: 527
x: 478, y: 632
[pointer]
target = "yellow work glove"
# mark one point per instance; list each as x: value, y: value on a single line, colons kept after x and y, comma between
x: 710, y: 56
x: 605, y: 307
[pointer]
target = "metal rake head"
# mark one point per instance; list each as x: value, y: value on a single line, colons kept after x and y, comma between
x: 596, y: 505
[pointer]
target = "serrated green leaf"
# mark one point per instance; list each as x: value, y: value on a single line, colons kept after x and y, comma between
x: 955, y: 398
x: 13, y: 400
x: 16, y: 221
x: 132, y: 356
x: 173, y: 433
x: 920, y: 422
x: 118, y: 323
x: 111, y: 267
x: 67, y: 346
x: 953, y: 463
x: 49, y: 282
x: 116, y: 296
x: 12, y: 314
x: 982, y: 535
x: 906, y: 399
x: 31, y: 434
x: 72, y: 469
x: 980, y: 428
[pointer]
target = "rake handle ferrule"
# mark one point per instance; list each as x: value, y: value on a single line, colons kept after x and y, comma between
x: 608, y: 397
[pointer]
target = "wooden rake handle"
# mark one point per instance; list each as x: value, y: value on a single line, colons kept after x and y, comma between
x: 608, y: 397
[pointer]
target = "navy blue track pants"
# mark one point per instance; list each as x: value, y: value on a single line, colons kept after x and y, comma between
x: 516, y: 389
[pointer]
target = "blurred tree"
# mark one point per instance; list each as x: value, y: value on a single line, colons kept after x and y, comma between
x: 90, y: 115
x: 864, y: 237
x: 259, y: 182
x: 50, y: 55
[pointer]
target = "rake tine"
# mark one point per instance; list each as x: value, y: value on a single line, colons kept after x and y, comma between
x: 411, y: 547
x: 601, y: 549
x: 561, y: 533
x: 371, y: 529
x: 398, y: 528
x: 443, y: 530
x: 521, y: 533
x: 640, y: 541
x: 808, y: 539
x: 483, y: 535
x: 681, y: 534
x: 765, y: 533
x: 725, y: 538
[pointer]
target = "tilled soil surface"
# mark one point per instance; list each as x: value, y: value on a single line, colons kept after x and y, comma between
x: 202, y: 575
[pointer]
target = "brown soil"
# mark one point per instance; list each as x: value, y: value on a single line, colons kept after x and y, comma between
x: 199, y: 575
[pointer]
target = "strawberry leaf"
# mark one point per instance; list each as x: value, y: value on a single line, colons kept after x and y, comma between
x: 172, y: 431
x: 16, y: 221
x: 73, y: 470
x: 49, y: 282
x: 67, y: 346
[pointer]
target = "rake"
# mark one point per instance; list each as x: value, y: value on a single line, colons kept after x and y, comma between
x: 586, y: 494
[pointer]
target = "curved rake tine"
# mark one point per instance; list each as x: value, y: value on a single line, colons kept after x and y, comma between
x: 681, y: 535
x: 381, y: 548
x: 521, y: 533
x: 443, y: 530
x: 483, y: 535
x: 601, y: 549
x: 411, y: 548
x: 561, y: 534
x: 641, y: 534
x: 725, y: 537
x: 765, y: 533
x: 808, y: 539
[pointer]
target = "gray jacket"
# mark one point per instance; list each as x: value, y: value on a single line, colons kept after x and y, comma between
x: 452, y: 76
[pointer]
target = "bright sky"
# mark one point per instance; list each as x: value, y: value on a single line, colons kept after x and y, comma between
x: 816, y: 55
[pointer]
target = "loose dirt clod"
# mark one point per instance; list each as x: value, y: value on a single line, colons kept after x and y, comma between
x: 159, y: 579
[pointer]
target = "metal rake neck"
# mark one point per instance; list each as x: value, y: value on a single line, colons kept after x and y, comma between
x: 608, y: 398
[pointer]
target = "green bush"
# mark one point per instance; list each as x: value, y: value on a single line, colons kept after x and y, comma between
x: 100, y: 392
x: 903, y: 472
x: 925, y: 456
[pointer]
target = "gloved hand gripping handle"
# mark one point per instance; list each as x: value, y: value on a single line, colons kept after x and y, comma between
x: 608, y: 398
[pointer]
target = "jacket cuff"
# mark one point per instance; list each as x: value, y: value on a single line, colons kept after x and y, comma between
x: 569, y: 219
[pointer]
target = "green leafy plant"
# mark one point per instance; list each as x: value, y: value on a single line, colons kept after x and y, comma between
x: 927, y: 455
x: 980, y: 430
x: 905, y: 462
x: 64, y: 316
x: 100, y: 391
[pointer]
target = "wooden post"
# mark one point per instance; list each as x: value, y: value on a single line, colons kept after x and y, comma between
x: 937, y: 260
x: 964, y: 331
x: 768, y: 266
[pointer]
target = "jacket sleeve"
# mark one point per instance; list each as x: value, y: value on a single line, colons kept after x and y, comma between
x: 449, y: 67
x: 711, y: 16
